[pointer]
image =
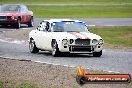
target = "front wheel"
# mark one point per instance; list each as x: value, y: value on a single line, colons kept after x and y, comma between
x: 97, y: 54
x: 18, y: 24
x: 32, y: 47
x: 55, y: 50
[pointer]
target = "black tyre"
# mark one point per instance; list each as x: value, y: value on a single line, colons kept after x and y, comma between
x: 18, y: 24
x: 32, y: 47
x: 97, y: 54
x: 31, y: 23
x: 81, y: 80
x: 55, y: 50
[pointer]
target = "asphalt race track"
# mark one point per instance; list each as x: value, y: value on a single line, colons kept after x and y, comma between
x: 111, y: 60
x: 89, y: 21
x: 99, y: 21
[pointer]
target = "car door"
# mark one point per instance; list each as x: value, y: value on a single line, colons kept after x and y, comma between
x: 42, y: 36
x: 37, y: 36
x: 25, y: 16
x: 45, y: 36
x: 48, y: 37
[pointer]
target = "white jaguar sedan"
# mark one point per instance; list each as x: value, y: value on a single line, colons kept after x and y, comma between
x: 65, y: 35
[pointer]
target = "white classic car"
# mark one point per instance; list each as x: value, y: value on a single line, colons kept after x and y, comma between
x: 65, y: 35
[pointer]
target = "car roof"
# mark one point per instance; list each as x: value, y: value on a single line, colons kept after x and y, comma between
x: 61, y: 20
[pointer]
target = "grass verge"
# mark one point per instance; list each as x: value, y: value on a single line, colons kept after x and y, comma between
x: 92, y: 9
x: 115, y: 37
x: 65, y: 1
x: 9, y: 84
x: 1, y: 84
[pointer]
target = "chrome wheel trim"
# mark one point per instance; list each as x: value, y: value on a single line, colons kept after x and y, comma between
x: 19, y: 25
x: 31, y: 46
x: 32, y: 23
x: 54, y: 49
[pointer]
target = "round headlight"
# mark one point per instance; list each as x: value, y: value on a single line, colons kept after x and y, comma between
x: 101, y: 41
x: 64, y: 41
x: 94, y: 41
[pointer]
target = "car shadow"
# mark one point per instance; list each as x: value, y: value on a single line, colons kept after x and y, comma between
x: 65, y: 54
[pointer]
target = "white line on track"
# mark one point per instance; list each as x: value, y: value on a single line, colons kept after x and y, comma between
x: 56, y: 64
x: 9, y: 40
x: 92, y: 4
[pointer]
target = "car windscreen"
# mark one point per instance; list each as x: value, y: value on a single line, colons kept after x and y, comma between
x: 69, y: 27
x: 9, y: 8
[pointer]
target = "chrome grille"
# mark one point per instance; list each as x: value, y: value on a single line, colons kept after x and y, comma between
x: 82, y: 41
x: 2, y: 17
x: 82, y: 48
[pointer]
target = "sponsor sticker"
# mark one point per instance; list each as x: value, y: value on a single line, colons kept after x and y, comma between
x: 83, y: 77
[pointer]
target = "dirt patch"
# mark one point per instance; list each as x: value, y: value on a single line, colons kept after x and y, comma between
x: 44, y: 75
x: 17, y: 34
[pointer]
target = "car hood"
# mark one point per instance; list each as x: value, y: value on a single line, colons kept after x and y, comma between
x: 75, y: 35
x: 8, y: 13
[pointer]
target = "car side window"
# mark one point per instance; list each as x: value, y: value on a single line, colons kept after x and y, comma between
x: 23, y: 8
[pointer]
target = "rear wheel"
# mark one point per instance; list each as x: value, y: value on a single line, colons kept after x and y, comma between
x: 55, y: 50
x: 30, y: 23
x: 97, y: 54
x: 32, y: 47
